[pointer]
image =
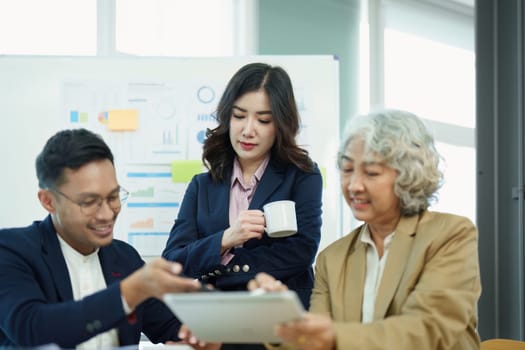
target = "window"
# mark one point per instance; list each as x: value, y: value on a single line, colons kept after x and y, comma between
x: 50, y: 27
x: 136, y: 27
x: 421, y: 59
x: 175, y: 27
x: 429, y: 69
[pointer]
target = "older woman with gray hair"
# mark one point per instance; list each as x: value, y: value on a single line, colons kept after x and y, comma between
x: 407, y: 278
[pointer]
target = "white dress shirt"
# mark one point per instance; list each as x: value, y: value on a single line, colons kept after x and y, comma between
x: 374, y: 272
x: 86, y: 277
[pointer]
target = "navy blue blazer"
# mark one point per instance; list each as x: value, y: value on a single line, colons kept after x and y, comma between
x: 36, y: 299
x: 195, y: 239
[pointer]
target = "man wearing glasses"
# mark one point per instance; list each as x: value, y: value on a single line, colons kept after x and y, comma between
x: 64, y: 280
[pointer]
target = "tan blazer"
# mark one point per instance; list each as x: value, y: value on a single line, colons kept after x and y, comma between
x: 428, y: 294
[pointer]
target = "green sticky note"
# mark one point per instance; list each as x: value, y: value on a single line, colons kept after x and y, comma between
x: 183, y: 170
x: 323, y: 175
x: 83, y: 117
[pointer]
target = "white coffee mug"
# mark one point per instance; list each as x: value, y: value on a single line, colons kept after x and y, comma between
x: 280, y: 218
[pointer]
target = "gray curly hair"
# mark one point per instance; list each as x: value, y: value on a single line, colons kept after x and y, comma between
x: 402, y: 142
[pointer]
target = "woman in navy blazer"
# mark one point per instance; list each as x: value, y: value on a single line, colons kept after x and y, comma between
x: 253, y: 159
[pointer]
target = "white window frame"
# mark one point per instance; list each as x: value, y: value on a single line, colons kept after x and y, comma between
x: 372, y: 71
x: 245, y: 28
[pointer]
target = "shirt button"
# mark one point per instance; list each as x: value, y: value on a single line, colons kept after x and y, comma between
x: 236, y: 268
x: 217, y: 273
x: 204, y: 277
x: 246, y: 268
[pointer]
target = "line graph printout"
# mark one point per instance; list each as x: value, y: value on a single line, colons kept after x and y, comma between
x: 152, y: 206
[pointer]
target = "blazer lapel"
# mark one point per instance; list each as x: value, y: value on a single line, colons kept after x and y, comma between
x: 395, y: 265
x: 271, y: 179
x: 355, y: 279
x: 111, y: 266
x: 54, y: 259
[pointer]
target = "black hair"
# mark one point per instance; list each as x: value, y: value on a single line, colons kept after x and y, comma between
x: 70, y: 149
x: 218, y: 153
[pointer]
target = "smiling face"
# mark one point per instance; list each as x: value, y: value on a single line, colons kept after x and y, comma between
x: 252, y: 129
x: 84, y: 233
x: 368, y: 187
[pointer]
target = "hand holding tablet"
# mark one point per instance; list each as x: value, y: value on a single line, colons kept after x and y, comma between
x: 235, y: 317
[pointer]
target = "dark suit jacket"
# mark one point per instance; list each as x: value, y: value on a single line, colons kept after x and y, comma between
x: 195, y: 239
x: 36, y: 299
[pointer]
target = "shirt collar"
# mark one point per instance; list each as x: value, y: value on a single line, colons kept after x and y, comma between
x: 237, y: 173
x: 367, y: 238
x: 73, y: 254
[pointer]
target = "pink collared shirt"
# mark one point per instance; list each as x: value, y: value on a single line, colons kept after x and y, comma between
x: 241, y: 194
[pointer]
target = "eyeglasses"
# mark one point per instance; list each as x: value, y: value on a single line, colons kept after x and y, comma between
x: 91, y: 205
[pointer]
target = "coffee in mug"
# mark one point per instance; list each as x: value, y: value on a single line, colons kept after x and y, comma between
x: 280, y: 218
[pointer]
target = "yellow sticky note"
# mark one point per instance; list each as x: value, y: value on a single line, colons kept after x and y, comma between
x: 123, y: 119
x: 183, y: 170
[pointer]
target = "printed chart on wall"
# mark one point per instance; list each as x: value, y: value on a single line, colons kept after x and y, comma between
x: 156, y: 131
x: 156, y: 128
x: 144, y: 122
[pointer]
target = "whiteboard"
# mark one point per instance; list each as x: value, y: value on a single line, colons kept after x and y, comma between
x: 35, y: 91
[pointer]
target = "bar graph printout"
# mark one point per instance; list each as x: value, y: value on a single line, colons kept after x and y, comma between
x: 156, y: 131
x: 153, y: 204
x: 144, y: 122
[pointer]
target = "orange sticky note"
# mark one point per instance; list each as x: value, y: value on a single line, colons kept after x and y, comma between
x: 123, y: 119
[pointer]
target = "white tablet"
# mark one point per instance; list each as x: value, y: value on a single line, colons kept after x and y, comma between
x: 235, y: 317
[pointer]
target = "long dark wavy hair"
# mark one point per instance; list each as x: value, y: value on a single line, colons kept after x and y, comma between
x: 218, y: 153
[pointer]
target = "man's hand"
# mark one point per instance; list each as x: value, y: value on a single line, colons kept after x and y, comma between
x: 155, y: 279
x: 188, y: 338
